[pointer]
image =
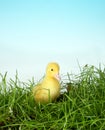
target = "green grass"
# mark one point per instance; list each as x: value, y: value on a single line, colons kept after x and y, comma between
x: 82, y: 108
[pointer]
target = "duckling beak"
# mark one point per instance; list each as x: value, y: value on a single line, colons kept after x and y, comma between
x: 57, y: 76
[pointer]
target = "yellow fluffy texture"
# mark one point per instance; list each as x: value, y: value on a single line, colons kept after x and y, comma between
x: 49, y: 89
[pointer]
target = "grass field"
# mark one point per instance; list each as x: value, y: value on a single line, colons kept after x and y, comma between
x: 81, y: 108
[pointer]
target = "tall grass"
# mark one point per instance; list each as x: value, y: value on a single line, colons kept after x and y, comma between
x: 81, y: 108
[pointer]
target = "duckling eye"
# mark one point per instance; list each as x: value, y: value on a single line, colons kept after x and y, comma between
x: 51, y: 69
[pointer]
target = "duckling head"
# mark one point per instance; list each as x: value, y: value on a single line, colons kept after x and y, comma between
x: 52, y: 70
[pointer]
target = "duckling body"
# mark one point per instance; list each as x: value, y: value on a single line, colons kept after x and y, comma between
x: 49, y: 89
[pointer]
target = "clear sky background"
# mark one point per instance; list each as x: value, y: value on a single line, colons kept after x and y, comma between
x: 35, y: 32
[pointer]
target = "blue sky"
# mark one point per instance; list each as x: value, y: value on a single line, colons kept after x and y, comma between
x: 35, y: 32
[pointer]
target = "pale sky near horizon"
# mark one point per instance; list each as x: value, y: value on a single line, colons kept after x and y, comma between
x: 35, y: 32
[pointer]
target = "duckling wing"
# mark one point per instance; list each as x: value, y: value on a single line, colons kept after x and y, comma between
x: 41, y: 94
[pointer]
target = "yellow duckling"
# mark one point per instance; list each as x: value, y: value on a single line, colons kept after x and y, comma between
x: 49, y: 89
